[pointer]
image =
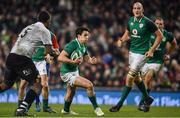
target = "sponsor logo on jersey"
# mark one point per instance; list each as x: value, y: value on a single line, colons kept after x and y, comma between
x: 134, y: 31
x: 141, y: 25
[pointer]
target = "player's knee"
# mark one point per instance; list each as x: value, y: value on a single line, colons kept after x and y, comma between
x: 45, y: 84
x: 132, y: 74
x: 90, y: 86
x: 90, y: 89
x: 150, y: 73
x: 130, y: 78
x: 136, y: 81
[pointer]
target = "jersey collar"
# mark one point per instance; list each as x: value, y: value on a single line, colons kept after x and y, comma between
x: 40, y: 24
x: 78, y: 42
x: 135, y: 19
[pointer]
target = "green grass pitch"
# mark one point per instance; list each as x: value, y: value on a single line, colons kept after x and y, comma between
x: 7, y: 110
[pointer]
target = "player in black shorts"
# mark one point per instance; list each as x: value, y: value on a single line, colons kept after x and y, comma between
x: 19, y: 63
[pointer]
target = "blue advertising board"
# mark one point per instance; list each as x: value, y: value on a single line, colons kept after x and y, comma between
x: 108, y: 97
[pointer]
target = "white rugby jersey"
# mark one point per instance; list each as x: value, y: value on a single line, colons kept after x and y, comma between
x: 31, y: 38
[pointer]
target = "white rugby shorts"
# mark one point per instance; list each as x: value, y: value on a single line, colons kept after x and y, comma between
x: 41, y: 67
x: 70, y: 77
x: 136, y: 61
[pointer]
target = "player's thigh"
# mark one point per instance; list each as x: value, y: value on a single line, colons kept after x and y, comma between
x: 41, y: 67
x: 28, y: 72
x: 43, y: 70
x: 154, y: 67
x: 70, y: 77
x: 83, y: 82
x: 144, y: 70
x: 136, y: 61
x: 20, y: 66
x: 44, y: 80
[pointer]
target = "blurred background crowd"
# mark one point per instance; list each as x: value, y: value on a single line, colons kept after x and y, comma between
x: 107, y: 20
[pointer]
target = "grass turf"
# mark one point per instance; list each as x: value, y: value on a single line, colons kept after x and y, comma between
x: 7, y: 110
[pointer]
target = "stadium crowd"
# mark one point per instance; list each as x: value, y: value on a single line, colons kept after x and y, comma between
x: 107, y: 20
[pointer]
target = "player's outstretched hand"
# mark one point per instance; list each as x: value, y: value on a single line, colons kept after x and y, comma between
x: 93, y: 60
x: 149, y: 54
x: 166, y: 57
x: 49, y: 59
x: 119, y: 43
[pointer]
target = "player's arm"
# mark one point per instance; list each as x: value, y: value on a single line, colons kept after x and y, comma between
x: 64, y: 57
x: 48, y: 51
x: 123, y: 39
x: 91, y: 60
x: 170, y: 49
x: 158, y: 40
x: 172, y: 46
x: 55, y: 52
x: 46, y: 39
x: 176, y: 65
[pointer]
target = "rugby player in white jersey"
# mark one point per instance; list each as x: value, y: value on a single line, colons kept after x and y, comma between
x: 19, y: 62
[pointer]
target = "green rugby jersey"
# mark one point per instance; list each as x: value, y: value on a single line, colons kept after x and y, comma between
x: 161, y: 49
x: 40, y: 52
x: 74, y: 45
x: 140, y: 32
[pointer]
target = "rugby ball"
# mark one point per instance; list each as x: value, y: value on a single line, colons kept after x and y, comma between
x: 75, y: 54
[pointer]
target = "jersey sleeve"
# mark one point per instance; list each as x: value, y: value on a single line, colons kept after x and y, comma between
x: 46, y: 37
x: 128, y: 26
x: 170, y: 37
x: 70, y: 47
x: 55, y: 42
x: 86, y: 53
x: 151, y: 26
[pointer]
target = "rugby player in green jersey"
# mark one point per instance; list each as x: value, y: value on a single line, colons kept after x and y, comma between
x: 154, y: 64
x: 139, y: 30
x: 71, y: 57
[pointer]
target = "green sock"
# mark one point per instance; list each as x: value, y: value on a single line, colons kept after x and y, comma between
x: 67, y: 105
x: 148, y: 91
x: 142, y: 88
x: 124, y: 95
x: 142, y: 98
x: 93, y: 101
x: 45, y: 103
x: 19, y: 102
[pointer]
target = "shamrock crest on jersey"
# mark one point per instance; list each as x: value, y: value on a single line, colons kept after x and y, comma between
x: 75, y: 54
